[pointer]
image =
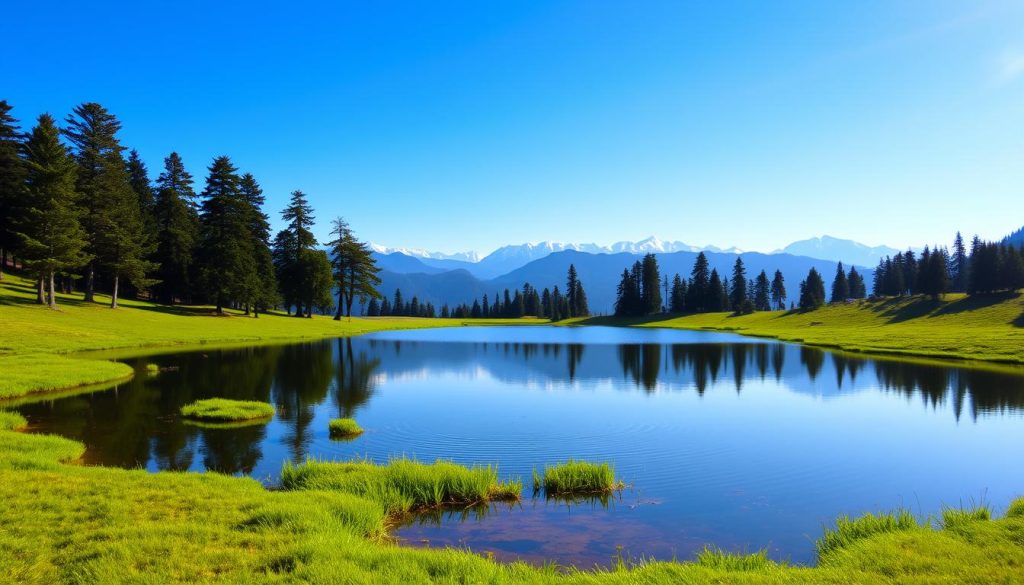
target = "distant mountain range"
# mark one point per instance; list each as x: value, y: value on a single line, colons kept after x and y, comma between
x: 509, y: 258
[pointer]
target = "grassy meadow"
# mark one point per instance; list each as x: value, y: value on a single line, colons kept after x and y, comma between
x: 986, y: 328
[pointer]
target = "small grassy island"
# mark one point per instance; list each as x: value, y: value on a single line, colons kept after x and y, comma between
x: 576, y: 478
x: 222, y: 410
x: 344, y: 428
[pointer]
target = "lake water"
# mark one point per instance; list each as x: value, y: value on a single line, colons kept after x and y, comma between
x: 724, y: 440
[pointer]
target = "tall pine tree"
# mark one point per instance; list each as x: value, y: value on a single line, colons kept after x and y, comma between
x: 177, y: 232
x: 12, y: 177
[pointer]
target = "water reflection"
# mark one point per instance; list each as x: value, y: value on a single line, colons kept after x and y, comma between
x: 734, y: 439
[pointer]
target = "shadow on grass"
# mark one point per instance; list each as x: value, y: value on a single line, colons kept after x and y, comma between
x: 900, y: 309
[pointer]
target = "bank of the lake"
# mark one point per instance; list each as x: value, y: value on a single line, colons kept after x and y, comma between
x: 984, y: 328
x: 39, y: 347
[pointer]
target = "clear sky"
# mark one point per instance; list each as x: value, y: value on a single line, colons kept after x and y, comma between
x: 458, y: 126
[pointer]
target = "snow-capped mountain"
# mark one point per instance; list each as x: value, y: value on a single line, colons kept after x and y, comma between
x: 421, y: 253
x: 838, y: 250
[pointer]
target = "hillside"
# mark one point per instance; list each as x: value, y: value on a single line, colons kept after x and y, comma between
x: 989, y: 328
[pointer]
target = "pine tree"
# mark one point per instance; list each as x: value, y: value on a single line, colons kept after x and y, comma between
x: 762, y: 293
x: 260, y: 290
x: 840, y: 286
x: 570, y: 290
x: 295, y: 267
x: 650, y: 286
x: 397, y: 307
x: 779, y: 291
x: 677, y: 298
x: 138, y: 178
x: 52, y: 239
x: 101, y: 179
x: 225, y: 251
x: 12, y: 178
x: 857, y: 288
x: 714, y: 302
x: 177, y: 225
x: 812, y: 291
x: 582, y: 306
x: 738, y: 294
x: 355, y: 270
x: 699, y: 282
x: 958, y: 265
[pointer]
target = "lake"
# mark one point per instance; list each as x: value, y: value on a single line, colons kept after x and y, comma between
x: 725, y: 440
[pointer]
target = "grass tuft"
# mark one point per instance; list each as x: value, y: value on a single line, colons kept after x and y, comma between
x: 576, y: 478
x: 403, y: 485
x: 1016, y: 509
x: 221, y: 410
x: 716, y: 558
x: 152, y: 368
x: 953, y: 518
x: 848, y: 531
x: 11, y: 421
x: 345, y: 428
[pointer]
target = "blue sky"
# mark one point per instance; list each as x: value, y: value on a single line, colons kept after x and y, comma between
x: 458, y: 126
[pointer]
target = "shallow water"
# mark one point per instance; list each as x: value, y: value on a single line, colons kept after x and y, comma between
x: 725, y: 440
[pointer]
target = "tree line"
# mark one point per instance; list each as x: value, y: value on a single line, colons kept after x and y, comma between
x: 78, y: 212
x: 526, y: 302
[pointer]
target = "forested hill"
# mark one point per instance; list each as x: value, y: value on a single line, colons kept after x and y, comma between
x: 600, y: 274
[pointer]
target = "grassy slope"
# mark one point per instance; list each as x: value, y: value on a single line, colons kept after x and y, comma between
x: 987, y: 328
x: 34, y: 340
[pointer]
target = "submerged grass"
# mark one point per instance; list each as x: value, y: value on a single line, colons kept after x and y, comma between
x: 404, y: 485
x: 344, y: 428
x: 576, y: 478
x: 222, y: 410
x: 848, y: 531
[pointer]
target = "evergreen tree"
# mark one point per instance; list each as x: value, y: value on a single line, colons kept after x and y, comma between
x: 295, y: 268
x: 570, y: 290
x: 12, y: 178
x: 261, y: 288
x: 138, y: 178
x: 716, y: 297
x: 812, y: 291
x: 101, y: 180
x: 677, y: 298
x: 650, y: 286
x: 177, y: 225
x: 582, y: 306
x: 738, y: 294
x: 762, y: 293
x: 858, y: 290
x: 397, y: 306
x: 52, y: 240
x: 779, y: 291
x: 958, y: 265
x: 840, y: 286
x: 545, y: 302
x: 373, y: 310
x: 699, y: 281
x: 225, y: 252
x: 355, y: 270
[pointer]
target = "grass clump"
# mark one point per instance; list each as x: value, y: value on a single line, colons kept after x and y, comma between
x: 404, y: 485
x: 1016, y: 509
x: 344, y: 428
x: 576, y: 478
x: 849, y: 530
x: 716, y: 558
x: 222, y: 410
x: 152, y: 368
x: 11, y: 421
x: 953, y: 518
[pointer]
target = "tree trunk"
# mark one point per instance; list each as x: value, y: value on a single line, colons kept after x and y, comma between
x: 40, y: 291
x: 113, y: 296
x: 246, y: 308
x: 53, y: 292
x: 90, y: 281
x: 341, y: 299
x: 220, y: 305
x: 3, y: 261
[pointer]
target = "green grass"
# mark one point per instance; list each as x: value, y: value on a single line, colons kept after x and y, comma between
x: 37, y: 344
x: 987, y: 328
x: 404, y: 485
x: 152, y: 368
x: 955, y: 518
x: 848, y: 531
x: 222, y: 410
x: 71, y: 523
x: 716, y: 558
x: 574, y: 478
x: 344, y: 427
